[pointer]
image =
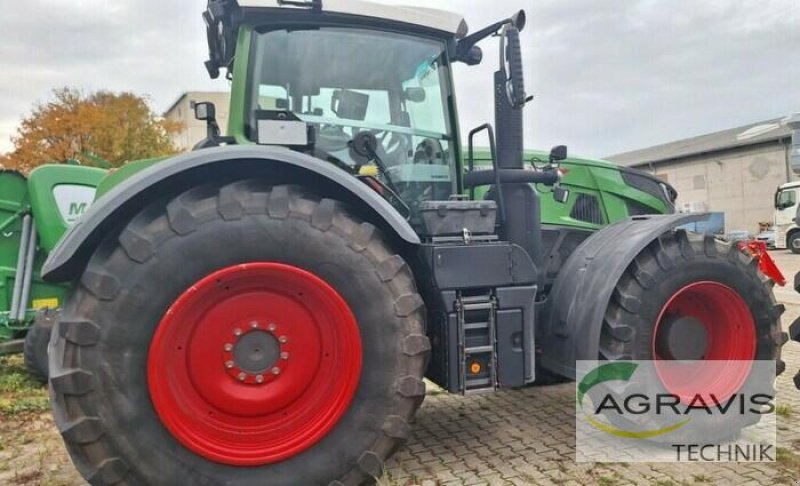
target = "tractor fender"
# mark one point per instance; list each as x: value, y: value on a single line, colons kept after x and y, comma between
x: 219, y: 164
x: 573, y: 313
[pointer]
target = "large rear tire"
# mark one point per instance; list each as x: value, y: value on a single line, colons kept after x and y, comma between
x: 164, y: 364
x: 686, y: 279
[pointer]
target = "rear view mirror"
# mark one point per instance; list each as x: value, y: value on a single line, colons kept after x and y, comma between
x: 558, y: 153
x: 350, y: 105
x: 519, y: 20
x: 415, y: 95
x: 560, y: 194
x: 205, y: 111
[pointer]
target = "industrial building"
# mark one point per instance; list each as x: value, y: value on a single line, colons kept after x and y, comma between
x: 735, y: 171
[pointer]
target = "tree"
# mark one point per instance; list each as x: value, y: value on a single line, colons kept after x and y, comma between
x: 115, y: 127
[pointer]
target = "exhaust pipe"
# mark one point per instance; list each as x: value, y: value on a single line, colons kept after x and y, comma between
x: 20, y: 271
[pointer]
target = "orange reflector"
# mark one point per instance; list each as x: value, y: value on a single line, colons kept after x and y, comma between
x: 475, y: 368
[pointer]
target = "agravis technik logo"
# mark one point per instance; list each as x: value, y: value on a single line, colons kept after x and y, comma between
x: 626, y: 411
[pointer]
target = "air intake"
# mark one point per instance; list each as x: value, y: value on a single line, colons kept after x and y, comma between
x: 794, y: 155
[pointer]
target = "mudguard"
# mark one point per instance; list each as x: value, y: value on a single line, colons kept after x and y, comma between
x: 213, y: 165
x: 573, y: 313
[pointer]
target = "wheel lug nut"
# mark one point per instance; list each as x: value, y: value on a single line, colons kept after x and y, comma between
x: 228, y: 347
x: 242, y: 376
x: 276, y: 371
x: 283, y: 339
x: 272, y: 327
x: 237, y: 332
x: 260, y: 379
x: 254, y: 325
x: 284, y: 355
x: 229, y: 365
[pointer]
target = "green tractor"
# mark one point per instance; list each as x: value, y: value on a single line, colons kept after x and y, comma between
x: 35, y: 212
x: 263, y: 310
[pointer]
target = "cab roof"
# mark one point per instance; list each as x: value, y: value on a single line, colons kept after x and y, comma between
x: 428, y: 18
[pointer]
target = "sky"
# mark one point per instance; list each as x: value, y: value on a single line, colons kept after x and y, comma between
x: 608, y: 75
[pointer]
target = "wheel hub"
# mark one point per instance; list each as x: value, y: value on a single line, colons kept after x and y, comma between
x: 682, y: 338
x: 257, y: 355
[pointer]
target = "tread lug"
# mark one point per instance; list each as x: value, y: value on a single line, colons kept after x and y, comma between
x: 416, y: 345
x: 83, y: 431
x: 100, y: 283
x: 279, y: 207
x: 82, y: 333
x: 230, y: 204
x: 407, y: 304
x: 362, y: 237
x: 180, y: 217
x: 110, y: 471
x: 396, y: 427
x: 137, y: 246
x: 72, y: 382
x: 322, y: 218
x: 410, y: 387
x: 390, y: 267
x: 371, y: 464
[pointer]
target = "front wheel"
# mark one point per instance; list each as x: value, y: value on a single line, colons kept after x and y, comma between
x: 240, y: 335
x: 700, y: 310
x: 794, y: 242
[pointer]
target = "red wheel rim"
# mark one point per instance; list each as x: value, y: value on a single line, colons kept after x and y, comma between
x: 731, y: 342
x: 254, y: 364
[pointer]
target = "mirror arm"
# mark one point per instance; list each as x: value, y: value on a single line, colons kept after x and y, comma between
x: 468, y: 42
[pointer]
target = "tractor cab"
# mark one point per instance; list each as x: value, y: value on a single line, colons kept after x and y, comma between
x: 365, y: 87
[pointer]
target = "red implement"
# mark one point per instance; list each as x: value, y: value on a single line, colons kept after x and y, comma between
x: 758, y: 249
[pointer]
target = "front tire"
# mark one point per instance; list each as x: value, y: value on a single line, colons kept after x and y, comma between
x: 794, y: 242
x: 687, y: 280
x: 142, y: 395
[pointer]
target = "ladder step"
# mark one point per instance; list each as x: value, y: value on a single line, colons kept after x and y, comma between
x: 476, y: 299
x: 478, y: 306
x: 479, y: 349
x: 479, y: 382
x: 476, y: 325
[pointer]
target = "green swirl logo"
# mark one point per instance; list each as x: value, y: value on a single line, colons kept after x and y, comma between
x: 619, y: 371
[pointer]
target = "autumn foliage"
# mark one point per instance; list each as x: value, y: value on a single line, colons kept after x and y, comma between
x: 116, y: 127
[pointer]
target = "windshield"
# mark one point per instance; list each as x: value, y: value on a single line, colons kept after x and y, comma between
x: 347, y: 81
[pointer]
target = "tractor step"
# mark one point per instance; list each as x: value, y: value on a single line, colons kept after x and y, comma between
x: 477, y: 344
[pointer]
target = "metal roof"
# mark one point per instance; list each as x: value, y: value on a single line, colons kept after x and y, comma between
x: 423, y: 16
x: 752, y: 134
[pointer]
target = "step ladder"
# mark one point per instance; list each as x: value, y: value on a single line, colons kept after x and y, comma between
x: 477, y: 343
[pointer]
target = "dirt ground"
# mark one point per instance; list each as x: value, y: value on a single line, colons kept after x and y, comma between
x: 511, y: 437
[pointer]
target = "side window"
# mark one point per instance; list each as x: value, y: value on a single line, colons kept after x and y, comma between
x: 427, y: 114
x: 587, y: 209
x: 787, y: 199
